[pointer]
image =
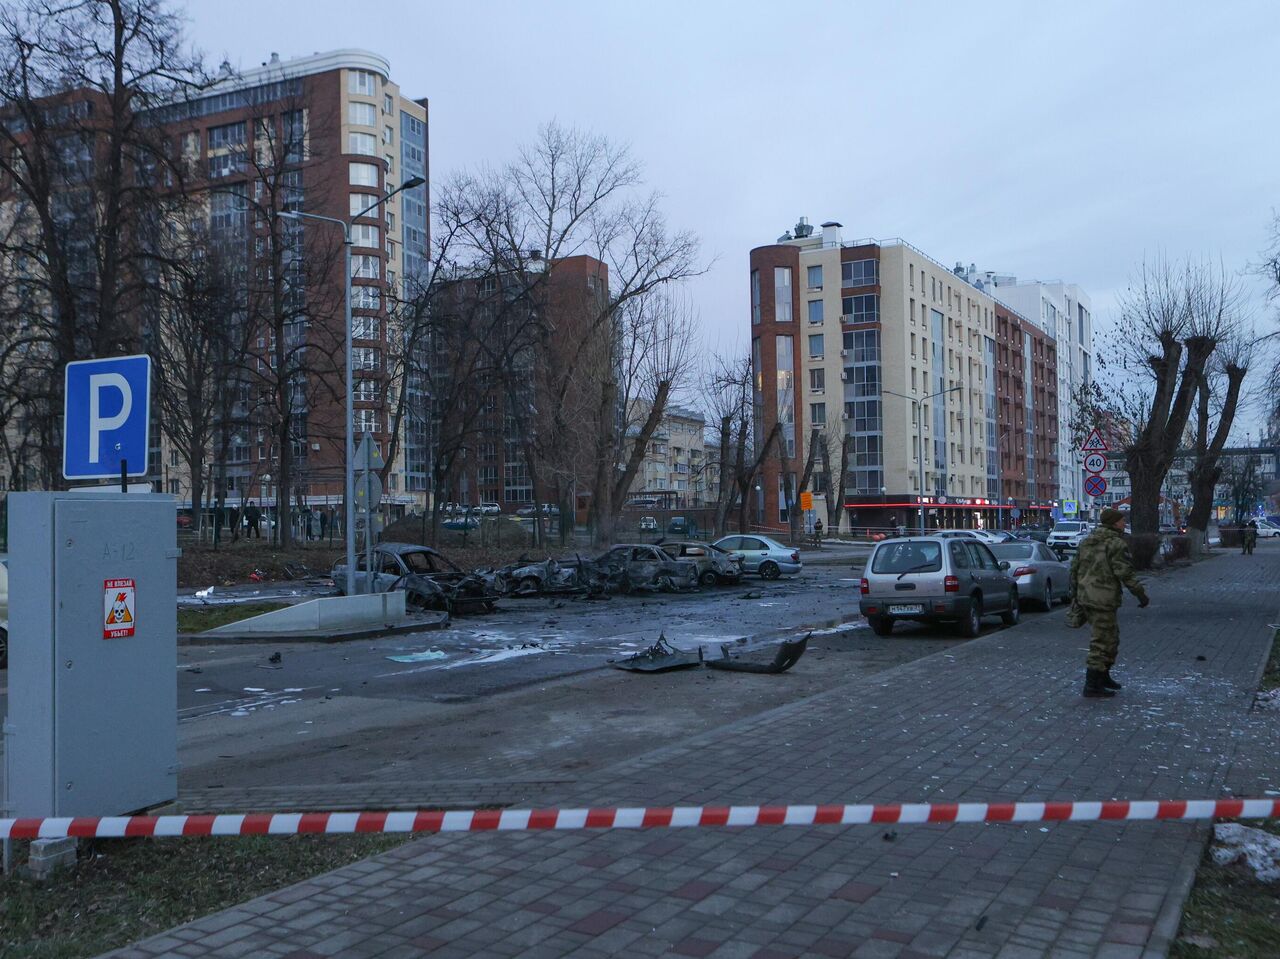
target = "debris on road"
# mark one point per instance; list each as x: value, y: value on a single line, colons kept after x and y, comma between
x: 1258, y: 849
x: 659, y: 657
x: 788, y: 655
x: 420, y: 657
x: 274, y: 658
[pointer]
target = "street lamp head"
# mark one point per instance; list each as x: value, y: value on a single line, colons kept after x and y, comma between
x: 413, y: 181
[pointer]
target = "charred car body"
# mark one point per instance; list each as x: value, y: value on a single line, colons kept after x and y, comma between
x: 624, y: 568
x: 428, y: 578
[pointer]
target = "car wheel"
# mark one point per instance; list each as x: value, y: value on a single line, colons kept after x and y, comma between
x: 1047, y: 602
x: 1010, y: 616
x: 528, y: 586
x: 709, y: 578
x: 769, y: 570
x: 971, y: 625
x: 881, y: 625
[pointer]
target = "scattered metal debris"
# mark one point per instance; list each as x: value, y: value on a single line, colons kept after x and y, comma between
x: 788, y: 655
x: 659, y: 657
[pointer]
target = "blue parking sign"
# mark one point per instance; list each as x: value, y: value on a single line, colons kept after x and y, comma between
x: 106, y: 417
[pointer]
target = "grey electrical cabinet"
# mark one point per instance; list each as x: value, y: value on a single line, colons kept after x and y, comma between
x: 92, y: 723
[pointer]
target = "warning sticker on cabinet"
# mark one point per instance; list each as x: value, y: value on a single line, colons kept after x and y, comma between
x: 119, y: 608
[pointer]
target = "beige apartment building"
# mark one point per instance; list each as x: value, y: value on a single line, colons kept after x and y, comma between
x: 674, y: 469
x: 877, y: 345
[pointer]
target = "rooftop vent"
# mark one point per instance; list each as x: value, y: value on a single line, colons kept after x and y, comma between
x: 803, y: 228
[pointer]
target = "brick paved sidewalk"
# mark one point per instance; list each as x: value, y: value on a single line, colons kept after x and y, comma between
x: 1000, y: 718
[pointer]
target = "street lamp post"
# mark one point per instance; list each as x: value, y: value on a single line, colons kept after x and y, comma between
x: 918, y: 405
x: 349, y: 470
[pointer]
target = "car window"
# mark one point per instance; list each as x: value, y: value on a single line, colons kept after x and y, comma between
x: 671, y: 550
x: 730, y: 543
x: 1015, y: 550
x: 979, y: 555
x: 1044, y: 554
x: 959, y: 555
x: 694, y: 551
x: 390, y: 565
x: 419, y: 562
x: 749, y: 542
x: 642, y: 554
x: 900, y: 557
x: 1067, y: 528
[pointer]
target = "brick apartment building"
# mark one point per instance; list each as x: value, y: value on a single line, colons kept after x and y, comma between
x: 674, y: 469
x: 326, y: 134
x: 856, y: 339
x: 512, y: 349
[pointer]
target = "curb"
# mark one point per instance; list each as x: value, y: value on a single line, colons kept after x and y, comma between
x: 333, y: 636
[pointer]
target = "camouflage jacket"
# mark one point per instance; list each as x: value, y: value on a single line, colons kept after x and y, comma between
x: 1101, y: 567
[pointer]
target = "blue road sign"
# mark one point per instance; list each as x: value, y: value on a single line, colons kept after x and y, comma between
x: 1095, y: 486
x: 106, y: 417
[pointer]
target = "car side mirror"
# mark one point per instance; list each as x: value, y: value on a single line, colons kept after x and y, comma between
x: 1004, y: 564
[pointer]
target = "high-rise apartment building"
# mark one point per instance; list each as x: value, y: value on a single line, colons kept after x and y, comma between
x: 329, y: 135
x: 674, y: 467
x: 939, y: 400
x: 1063, y: 312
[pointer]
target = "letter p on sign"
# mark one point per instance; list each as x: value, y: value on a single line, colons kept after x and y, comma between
x: 107, y: 414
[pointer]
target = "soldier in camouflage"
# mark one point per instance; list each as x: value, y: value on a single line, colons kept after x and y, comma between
x: 1102, y: 565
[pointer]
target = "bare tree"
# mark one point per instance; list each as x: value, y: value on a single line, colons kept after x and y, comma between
x: 83, y: 163
x: 1218, y: 398
x: 197, y: 336
x: 727, y: 400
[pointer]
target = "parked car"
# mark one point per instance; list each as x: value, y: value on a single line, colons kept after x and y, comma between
x: 682, y: 526
x: 526, y: 510
x: 936, y: 579
x: 459, y: 523
x: 640, y: 502
x: 1042, y: 578
x: 1000, y: 536
x: 953, y: 533
x: 763, y: 555
x: 490, y: 509
x: 1037, y: 533
x: 1067, y: 535
x: 430, y: 580
x: 715, y: 565
x: 630, y: 566
x: 648, y: 524
x: 1266, y: 528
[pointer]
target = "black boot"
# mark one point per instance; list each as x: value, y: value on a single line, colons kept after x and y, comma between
x: 1108, y: 682
x: 1093, y: 684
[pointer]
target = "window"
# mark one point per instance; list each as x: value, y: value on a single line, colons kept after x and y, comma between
x: 782, y: 294
x: 858, y: 273
x: 364, y: 174
x: 224, y: 164
x: 815, y: 311
x: 173, y: 458
x: 817, y: 414
x: 388, y: 104
x: 755, y: 296
x: 366, y: 421
x: 391, y: 163
x: 817, y: 348
x: 229, y: 135
x: 364, y: 143
x: 362, y: 82
x: 366, y: 234
x: 388, y: 135
x: 815, y: 277
x: 362, y: 114
x: 864, y: 308
x: 365, y: 358
x: 361, y: 202
x: 365, y: 297
x: 817, y: 379
x: 364, y: 327
x: 366, y: 267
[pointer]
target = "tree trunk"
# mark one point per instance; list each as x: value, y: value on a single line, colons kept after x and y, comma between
x: 599, y: 516
x: 656, y: 411
x: 846, y: 446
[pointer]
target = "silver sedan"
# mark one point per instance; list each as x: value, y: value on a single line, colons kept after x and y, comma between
x: 1042, y: 578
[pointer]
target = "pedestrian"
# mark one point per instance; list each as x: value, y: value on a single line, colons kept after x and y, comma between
x: 306, y: 524
x: 234, y: 520
x: 817, y: 533
x: 1102, y: 566
x: 1249, y: 537
x: 252, y: 516
x: 324, y: 522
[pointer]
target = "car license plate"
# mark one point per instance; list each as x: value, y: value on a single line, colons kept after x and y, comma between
x: 907, y: 608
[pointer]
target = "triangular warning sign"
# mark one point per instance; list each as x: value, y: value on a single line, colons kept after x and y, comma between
x: 1094, y: 444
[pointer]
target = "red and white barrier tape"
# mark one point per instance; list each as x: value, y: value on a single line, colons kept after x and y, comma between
x: 658, y: 817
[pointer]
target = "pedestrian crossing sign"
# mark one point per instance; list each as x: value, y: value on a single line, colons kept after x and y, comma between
x: 1069, y: 507
x: 119, y: 608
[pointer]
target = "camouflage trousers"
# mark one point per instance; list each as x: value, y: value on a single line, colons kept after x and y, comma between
x: 1105, y: 642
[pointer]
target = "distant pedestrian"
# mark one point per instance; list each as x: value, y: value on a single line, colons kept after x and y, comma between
x: 252, y: 517
x: 324, y: 522
x: 1249, y: 537
x: 307, y: 530
x: 233, y: 515
x: 1102, y: 566
x: 817, y: 533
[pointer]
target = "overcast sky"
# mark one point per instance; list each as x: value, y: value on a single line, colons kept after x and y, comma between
x: 1051, y: 141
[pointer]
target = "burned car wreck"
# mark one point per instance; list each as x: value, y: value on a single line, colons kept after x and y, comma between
x: 625, y: 568
x: 429, y: 580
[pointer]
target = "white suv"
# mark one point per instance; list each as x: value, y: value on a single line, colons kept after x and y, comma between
x: 1067, y: 535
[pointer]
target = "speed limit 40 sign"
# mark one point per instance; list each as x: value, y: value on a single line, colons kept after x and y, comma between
x: 1095, y: 462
